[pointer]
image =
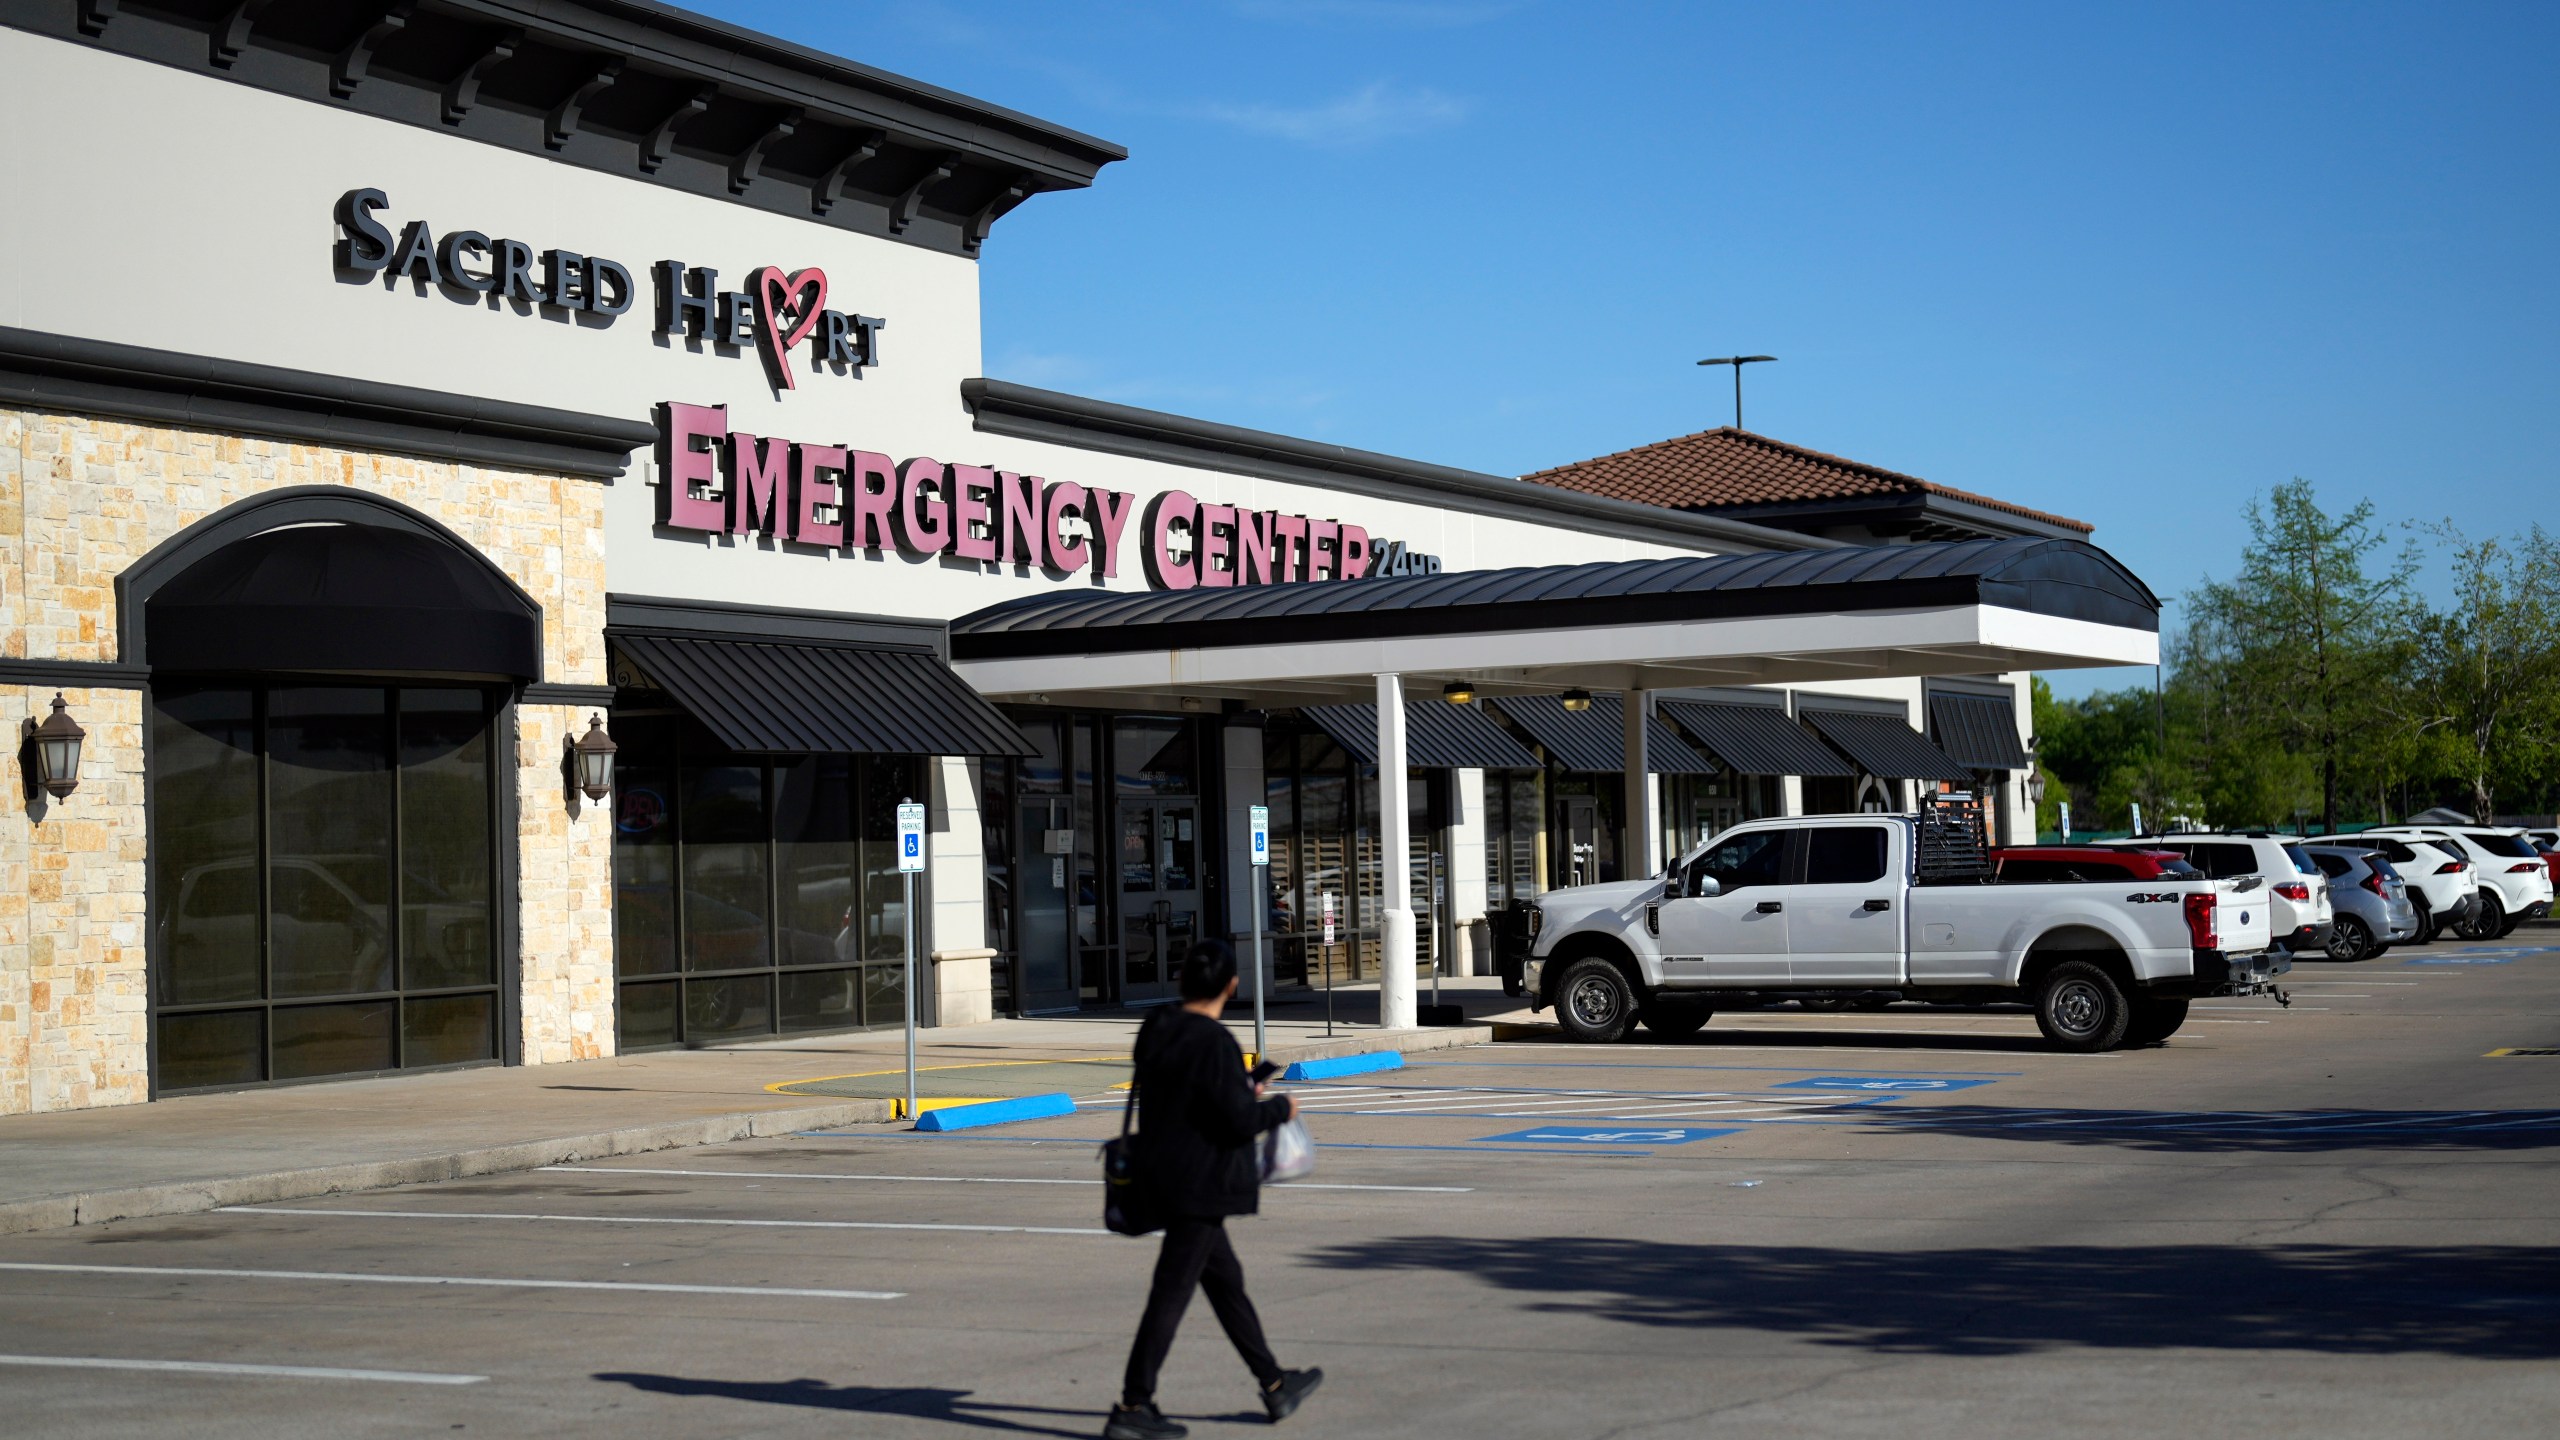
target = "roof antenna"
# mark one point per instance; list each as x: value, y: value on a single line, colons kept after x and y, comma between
x: 1737, y: 362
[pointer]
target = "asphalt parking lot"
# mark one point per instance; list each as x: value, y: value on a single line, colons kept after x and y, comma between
x: 2335, y: 1220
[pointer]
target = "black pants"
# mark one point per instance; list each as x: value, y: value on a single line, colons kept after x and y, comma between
x: 1195, y: 1255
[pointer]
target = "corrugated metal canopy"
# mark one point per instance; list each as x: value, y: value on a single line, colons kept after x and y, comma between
x: 1753, y: 739
x: 1595, y: 740
x: 1979, y: 730
x: 2063, y: 578
x: 793, y: 697
x: 1886, y: 746
x: 1437, y: 736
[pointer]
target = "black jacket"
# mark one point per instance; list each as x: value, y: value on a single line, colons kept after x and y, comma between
x: 1197, y: 1116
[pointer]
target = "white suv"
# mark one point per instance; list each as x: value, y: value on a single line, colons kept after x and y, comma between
x: 2515, y: 884
x: 2298, y: 894
x: 2443, y: 883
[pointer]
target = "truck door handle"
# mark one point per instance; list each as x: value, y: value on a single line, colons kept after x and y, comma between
x: 1770, y: 907
x: 1879, y: 904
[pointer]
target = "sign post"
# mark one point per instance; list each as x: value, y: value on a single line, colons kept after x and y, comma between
x: 1325, y: 951
x: 1260, y: 844
x: 910, y: 865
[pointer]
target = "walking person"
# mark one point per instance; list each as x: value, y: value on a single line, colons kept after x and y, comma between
x: 1198, y: 1114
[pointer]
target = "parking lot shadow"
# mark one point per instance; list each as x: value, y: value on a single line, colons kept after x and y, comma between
x: 2480, y: 1302
x: 921, y: 1402
x: 2232, y: 1130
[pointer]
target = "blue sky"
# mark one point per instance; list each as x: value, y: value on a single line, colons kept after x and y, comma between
x: 2128, y: 263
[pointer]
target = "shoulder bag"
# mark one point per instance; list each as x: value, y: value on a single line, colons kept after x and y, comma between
x: 1129, y: 1207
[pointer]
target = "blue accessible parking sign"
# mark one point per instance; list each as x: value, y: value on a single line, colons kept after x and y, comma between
x: 1882, y: 1084
x: 1606, y: 1135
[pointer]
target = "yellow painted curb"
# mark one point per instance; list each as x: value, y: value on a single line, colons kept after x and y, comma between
x: 780, y: 1086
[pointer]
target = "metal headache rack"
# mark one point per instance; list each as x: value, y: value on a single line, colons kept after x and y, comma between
x: 1951, y: 838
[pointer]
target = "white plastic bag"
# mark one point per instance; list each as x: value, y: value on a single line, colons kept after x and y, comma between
x: 1288, y: 1153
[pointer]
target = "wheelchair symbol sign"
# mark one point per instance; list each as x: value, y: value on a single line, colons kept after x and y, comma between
x: 910, y: 837
x: 1887, y: 1084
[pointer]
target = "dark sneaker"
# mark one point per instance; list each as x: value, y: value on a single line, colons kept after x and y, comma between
x: 1295, y: 1385
x: 1145, y: 1422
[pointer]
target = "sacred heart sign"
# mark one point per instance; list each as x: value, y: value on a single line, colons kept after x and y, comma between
x: 787, y: 311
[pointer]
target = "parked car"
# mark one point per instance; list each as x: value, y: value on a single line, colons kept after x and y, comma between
x: 2515, y: 886
x: 2444, y: 886
x: 2299, y: 892
x: 2550, y: 849
x: 2369, y: 900
x: 1840, y: 905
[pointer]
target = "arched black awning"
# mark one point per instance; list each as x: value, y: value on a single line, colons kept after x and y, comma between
x: 344, y: 598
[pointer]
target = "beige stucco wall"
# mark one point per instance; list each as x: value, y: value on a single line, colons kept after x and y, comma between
x: 81, y: 498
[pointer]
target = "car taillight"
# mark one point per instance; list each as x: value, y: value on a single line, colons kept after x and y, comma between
x: 2524, y: 869
x: 2203, y: 930
x: 2294, y: 890
x: 2453, y: 867
x: 2371, y: 881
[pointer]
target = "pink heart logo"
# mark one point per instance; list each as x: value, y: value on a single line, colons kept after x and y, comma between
x: 776, y: 295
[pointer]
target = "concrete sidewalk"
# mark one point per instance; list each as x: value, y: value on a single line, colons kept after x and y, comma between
x: 245, y: 1147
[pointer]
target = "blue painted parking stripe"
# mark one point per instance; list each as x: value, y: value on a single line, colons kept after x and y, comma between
x: 1625, y: 1065
x: 1890, y: 1084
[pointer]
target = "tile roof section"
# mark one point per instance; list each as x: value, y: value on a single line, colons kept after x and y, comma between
x: 1724, y: 467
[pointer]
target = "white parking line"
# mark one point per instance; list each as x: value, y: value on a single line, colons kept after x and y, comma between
x: 490, y: 1282
x: 965, y: 1179
x: 659, y: 1220
x: 271, y: 1372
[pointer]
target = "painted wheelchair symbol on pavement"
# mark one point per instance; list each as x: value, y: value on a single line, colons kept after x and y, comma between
x: 1894, y: 1084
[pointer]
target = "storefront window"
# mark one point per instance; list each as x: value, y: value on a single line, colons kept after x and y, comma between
x: 356, y: 930
x: 790, y: 913
x: 1513, y: 804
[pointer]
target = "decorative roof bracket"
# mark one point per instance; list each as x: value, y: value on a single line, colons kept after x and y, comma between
x: 231, y: 32
x: 464, y: 92
x: 348, y: 72
x: 564, y: 116
x: 743, y: 167
x: 902, y: 211
x: 823, y: 195
x: 1015, y: 191
x: 661, y: 141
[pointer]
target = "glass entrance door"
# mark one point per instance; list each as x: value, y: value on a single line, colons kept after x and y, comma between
x: 1159, y: 846
x: 1045, y: 873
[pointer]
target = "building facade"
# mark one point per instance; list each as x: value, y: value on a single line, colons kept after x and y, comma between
x: 393, y: 396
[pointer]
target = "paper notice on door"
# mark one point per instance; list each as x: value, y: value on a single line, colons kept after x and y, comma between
x: 1182, y: 828
x: 1058, y: 873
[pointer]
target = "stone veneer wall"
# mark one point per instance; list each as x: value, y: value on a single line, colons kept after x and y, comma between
x: 81, y: 498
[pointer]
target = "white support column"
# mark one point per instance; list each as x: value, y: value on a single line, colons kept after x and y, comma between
x: 1640, y: 850
x: 1395, y: 974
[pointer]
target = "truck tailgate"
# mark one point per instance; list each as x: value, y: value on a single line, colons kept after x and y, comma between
x: 2240, y: 915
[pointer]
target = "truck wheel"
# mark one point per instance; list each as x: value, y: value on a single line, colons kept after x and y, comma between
x: 2486, y: 921
x: 2350, y: 939
x: 1674, y: 1019
x: 2155, y: 1018
x: 2081, y: 1008
x: 1594, y: 1002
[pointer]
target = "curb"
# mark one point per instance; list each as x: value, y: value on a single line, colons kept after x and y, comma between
x: 1367, y: 1042
x: 186, y: 1197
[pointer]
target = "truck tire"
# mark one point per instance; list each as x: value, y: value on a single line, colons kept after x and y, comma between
x: 2081, y: 1008
x: 1594, y: 1002
x: 2488, y: 922
x: 1674, y: 1019
x: 2350, y: 939
x: 2155, y: 1018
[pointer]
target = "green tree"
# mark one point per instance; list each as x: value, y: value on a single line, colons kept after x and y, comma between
x: 2489, y: 664
x: 2290, y: 659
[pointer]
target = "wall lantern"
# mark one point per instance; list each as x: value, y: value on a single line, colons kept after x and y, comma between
x: 57, y: 745
x: 1577, y: 700
x: 2035, y: 786
x: 1458, y: 692
x: 593, y: 754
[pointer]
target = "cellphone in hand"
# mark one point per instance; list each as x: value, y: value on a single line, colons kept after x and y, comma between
x: 1264, y: 1071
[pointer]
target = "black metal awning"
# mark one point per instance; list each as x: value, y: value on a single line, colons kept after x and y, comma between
x: 800, y: 697
x: 1886, y: 746
x: 1753, y: 739
x: 1437, y: 736
x: 1979, y: 730
x: 1594, y: 741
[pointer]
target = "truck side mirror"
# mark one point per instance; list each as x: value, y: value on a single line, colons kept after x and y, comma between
x: 1705, y: 887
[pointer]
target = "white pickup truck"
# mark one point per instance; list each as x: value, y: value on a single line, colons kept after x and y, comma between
x: 1838, y: 907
